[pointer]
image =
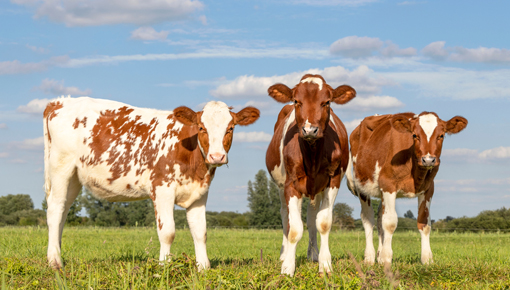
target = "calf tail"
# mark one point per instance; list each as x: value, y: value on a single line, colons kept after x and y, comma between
x: 349, y: 175
x: 47, y: 148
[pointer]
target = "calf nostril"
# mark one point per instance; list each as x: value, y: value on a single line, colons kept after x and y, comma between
x: 315, y: 131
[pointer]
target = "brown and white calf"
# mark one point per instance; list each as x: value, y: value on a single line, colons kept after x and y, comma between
x: 395, y: 156
x: 308, y: 156
x: 123, y: 153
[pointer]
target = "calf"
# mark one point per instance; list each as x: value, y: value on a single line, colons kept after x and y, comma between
x: 308, y: 156
x: 394, y: 156
x: 123, y: 153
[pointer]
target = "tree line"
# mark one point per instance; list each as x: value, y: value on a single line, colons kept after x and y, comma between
x: 264, y: 212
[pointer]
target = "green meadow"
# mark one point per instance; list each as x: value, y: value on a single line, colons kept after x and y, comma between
x: 126, y: 258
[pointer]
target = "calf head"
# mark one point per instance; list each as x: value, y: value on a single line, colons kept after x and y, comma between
x: 312, y: 98
x: 215, y: 125
x: 428, y: 131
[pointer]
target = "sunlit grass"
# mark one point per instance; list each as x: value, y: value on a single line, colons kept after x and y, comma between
x: 124, y: 258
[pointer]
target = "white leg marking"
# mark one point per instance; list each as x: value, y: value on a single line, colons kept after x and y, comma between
x: 324, y: 222
x: 389, y: 225
x: 294, y: 235
x: 197, y: 225
x: 64, y: 189
x: 367, y: 217
x: 284, y: 212
x: 164, y: 205
x: 426, y: 252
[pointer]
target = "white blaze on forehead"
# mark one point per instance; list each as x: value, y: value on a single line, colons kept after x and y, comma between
x: 313, y: 80
x: 216, y: 117
x: 428, y: 123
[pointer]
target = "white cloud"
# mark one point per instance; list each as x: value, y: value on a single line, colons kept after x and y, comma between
x: 94, y: 13
x: 361, y: 79
x: 30, y: 144
x: 372, y: 103
x: 473, y: 155
x: 35, y: 106
x: 37, y: 49
x: 214, y: 52
x: 496, y: 153
x: 148, y: 33
x: 3, y: 126
x: 4, y: 154
x: 351, y: 125
x: 203, y: 19
x: 332, y: 2
x: 438, y: 51
x: 252, y: 137
x: 54, y: 87
x: 435, y: 50
x: 365, y: 47
x: 481, y: 54
x: 391, y: 50
x: 455, y: 83
x: 16, y: 67
x: 355, y: 46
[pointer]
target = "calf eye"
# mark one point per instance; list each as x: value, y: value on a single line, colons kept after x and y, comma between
x: 415, y: 136
x: 201, y: 128
x: 295, y: 102
x: 326, y: 104
x: 440, y: 136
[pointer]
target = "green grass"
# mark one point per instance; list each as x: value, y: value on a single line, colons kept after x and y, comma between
x: 125, y: 258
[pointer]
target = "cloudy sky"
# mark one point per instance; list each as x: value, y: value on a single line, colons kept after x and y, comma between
x: 399, y: 55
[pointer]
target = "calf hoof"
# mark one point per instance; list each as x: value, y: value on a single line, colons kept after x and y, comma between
x: 288, y: 269
x: 55, y: 265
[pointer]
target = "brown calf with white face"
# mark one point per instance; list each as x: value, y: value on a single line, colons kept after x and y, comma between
x: 395, y: 156
x: 308, y: 156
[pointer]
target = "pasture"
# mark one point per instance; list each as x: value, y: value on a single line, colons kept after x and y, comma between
x: 126, y: 258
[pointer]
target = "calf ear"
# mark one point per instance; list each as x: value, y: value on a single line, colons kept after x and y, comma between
x: 401, y: 124
x: 343, y: 94
x: 246, y: 116
x: 456, y: 124
x: 185, y: 115
x: 280, y: 92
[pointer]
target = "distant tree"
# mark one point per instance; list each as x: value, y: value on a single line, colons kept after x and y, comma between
x: 409, y: 214
x: 375, y: 206
x: 263, y: 201
x: 449, y: 218
x: 15, y: 202
x: 342, y: 215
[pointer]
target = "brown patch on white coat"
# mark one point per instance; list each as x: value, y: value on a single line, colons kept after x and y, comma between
x: 308, y: 156
x: 394, y: 156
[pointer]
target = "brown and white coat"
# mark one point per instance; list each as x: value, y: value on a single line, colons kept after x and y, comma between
x: 123, y: 153
x: 307, y: 157
x: 394, y: 156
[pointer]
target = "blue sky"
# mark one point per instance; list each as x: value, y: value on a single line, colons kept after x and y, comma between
x: 449, y: 57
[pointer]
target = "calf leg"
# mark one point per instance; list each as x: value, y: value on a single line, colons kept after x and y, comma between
x: 311, y: 218
x: 424, y: 225
x: 324, y: 222
x: 64, y: 190
x: 367, y: 217
x: 294, y: 234
x: 197, y: 225
x: 164, y: 212
x: 389, y: 225
x: 284, y: 212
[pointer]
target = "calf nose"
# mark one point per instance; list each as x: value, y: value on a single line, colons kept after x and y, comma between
x: 428, y: 161
x: 217, y: 158
x: 310, y: 131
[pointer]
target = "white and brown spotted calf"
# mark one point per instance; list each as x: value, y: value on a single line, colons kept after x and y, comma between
x: 394, y: 156
x: 123, y: 153
x: 308, y: 156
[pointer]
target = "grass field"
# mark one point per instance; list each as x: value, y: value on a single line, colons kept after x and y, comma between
x: 124, y: 258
